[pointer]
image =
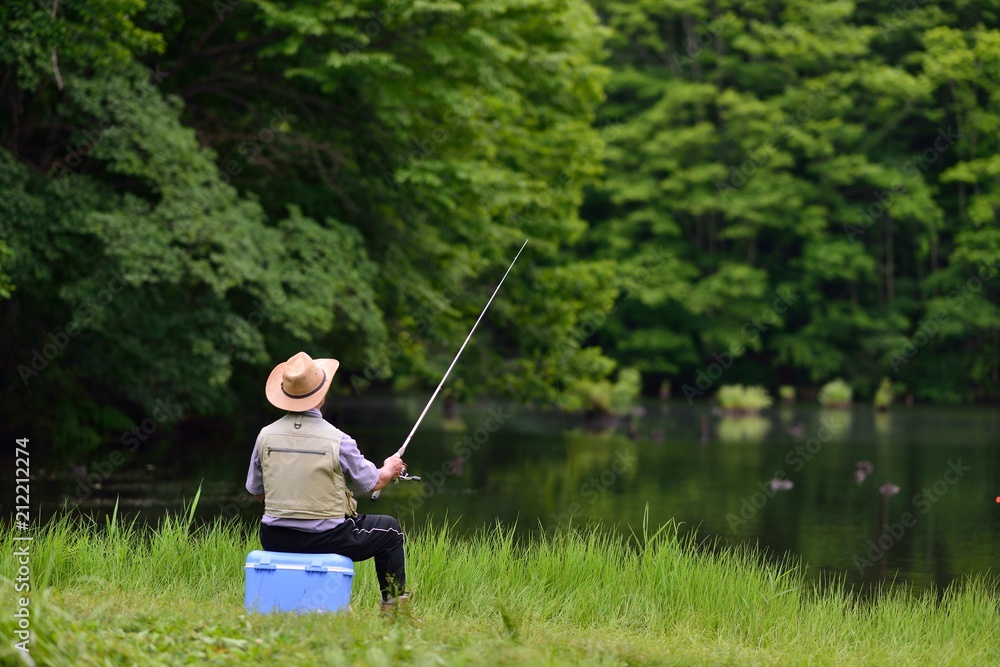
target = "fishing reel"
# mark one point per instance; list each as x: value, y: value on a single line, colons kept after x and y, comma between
x: 406, y: 477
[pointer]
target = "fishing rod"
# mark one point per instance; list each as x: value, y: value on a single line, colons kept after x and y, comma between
x: 427, y: 407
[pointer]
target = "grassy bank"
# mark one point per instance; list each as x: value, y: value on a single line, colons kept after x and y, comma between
x: 118, y: 595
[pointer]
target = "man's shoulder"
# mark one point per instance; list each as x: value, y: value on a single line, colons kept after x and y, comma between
x: 276, y: 425
x: 311, y: 423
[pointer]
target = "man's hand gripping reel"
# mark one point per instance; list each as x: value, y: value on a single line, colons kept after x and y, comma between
x: 403, y: 475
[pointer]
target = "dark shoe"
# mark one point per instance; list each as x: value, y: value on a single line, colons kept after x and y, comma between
x: 393, y: 605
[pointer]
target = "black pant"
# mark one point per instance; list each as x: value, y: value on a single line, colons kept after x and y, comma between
x: 359, y: 538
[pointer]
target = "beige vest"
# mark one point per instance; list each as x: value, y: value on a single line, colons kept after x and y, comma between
x: 300, y: 462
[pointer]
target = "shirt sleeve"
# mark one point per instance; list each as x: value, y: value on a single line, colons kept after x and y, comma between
x: 361, y: 474
x: 255, y: 478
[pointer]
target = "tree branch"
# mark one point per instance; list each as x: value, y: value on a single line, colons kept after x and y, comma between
x: 55, y: 58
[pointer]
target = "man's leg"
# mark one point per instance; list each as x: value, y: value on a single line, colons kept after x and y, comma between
x: 380, y: 537
x: 359, y: 538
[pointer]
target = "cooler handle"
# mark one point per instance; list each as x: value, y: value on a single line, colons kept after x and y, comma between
x: 265, y: 563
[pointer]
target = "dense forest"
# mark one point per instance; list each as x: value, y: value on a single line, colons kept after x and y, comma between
x: 778, y: 193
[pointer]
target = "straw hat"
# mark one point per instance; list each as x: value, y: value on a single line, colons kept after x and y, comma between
x: 300, y: 383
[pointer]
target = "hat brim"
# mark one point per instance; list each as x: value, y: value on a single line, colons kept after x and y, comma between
x: 280, y: 400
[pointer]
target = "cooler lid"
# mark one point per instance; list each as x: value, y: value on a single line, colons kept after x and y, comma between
x: 279, y: 560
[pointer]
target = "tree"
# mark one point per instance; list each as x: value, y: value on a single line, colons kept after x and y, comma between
x: 794, y: 161
x: 207, y: 192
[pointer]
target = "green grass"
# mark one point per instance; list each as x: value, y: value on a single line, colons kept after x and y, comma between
x: 118, y: 594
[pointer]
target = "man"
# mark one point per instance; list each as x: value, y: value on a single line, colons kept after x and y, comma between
x: 301, y: 469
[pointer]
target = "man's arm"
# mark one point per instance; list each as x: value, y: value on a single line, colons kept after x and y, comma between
x: 362, y: 474
x: 255, y: 478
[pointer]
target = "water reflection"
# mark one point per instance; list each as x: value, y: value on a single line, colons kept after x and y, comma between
x: 838, y: 420
x: 883, y: 424
x: 745, y: 428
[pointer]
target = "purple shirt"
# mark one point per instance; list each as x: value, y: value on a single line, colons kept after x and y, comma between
x: 360, y: 473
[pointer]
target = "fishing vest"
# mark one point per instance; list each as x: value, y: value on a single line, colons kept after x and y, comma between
x: 300, y: 463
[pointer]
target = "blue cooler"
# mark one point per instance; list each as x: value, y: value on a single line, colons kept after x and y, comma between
x: 277, y: 581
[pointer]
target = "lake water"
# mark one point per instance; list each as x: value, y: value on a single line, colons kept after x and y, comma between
x: 504, y: 462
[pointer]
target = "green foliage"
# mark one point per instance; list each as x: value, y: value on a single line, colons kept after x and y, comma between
x: 835, y: 393
x: 840, y: 151
x: 884, y: 394
x: 625, y: 390
x: 6, y: 259
x: 281, y: 180
x: 602, y: 396
x: 786, y: 392
x: 39, y: 39
x: 736, y: 398
x: 807, y: 189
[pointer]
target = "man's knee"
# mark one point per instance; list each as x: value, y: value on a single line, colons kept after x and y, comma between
x: 395, y: 526
x: 390, y: 525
